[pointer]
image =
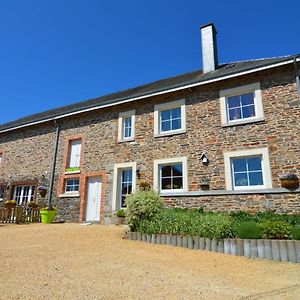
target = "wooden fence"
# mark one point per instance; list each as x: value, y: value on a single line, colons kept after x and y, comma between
x: 19, y: 215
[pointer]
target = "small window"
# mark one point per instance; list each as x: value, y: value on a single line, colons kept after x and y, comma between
x: 126, y: 126
x: 0, y: 159
x: 74, y: 155
x: 241, y: 105
x: 1, y: 193
x: 169, y: 118
x: 170, y: 175
x: 72, y: 185
x: 248, y: 169
x: 23, y: 194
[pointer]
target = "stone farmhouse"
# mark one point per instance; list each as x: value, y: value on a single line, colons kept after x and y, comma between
x: 217, y: 138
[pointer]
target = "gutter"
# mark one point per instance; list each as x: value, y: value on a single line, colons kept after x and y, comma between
x: 57, y: 131
x: 153, y: 94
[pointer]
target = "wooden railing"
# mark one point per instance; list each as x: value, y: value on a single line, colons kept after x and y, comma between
x: 19, y: 215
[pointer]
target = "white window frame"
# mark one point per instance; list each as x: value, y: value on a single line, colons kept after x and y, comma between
x: 116, y: 182
x: 169, y: 161
x: 165, y: 106
x: 266, y: 170
x: 65, y: 186
x: 3, y: 188
x: 224, y: 94
x: 76, y: 154
x: 29, y: 196
x: 122, y: 117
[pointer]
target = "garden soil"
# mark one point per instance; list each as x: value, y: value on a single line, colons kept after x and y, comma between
x: 69, y: 261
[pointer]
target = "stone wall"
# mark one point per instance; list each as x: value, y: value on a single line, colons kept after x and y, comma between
x: 28, y: 153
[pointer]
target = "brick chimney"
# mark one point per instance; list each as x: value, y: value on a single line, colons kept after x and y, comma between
x: 209, y: 47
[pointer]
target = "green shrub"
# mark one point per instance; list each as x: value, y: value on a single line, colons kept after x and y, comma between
x: 275, y: 230
x: 296, y: 232
x: 142, y: 205
x: 121, y: 213
x: 248, y: 230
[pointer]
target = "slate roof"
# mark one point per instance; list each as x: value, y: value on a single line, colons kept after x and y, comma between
x: 147, y: 89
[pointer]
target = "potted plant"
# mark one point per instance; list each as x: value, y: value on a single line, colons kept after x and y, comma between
x: 289, y: 181
x: 144, y: 185
x: 48, y: 214
x: 119, y: 217
x: 33, y: 204
x: 10, y: 203
x: 42, y: 191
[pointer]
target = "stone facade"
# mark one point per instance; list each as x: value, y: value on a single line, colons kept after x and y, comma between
x: 27, y: 153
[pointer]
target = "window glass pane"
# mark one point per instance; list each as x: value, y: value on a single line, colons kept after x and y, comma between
x: 127, y: 122
x: 176, y: 124
x: 176, y: 113
x: 248, y: 111
x: 1, y: 192
x: 177, y: 170
x: 166, y: 171
x: 166, y: 183
x: 254, y: 163
x: 256, y: 178
x: 127, y: 132
x: 233, y: 101
x: 166, y: 126
x: 240, y: 179
x: 165, y: 115
x: 247, y: 99
x: 239, y: 164
x: 235, y: 114
x: 177, y: 183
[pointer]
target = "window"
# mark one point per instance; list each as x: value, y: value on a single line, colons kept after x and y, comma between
x: 1, y: 193
x: 169, y: 118
x: 241, y: 105
x: 126, y: 124
x: 247, y: 169
x: 170, y: 175
x: 74, y: 155
x: 0, y: 159
x: 72, y: 185
x: 23, y: 194
x: 126, y: 185
x: 124, y: 182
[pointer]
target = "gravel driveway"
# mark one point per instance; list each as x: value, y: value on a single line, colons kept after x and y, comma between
x: 69, y: 261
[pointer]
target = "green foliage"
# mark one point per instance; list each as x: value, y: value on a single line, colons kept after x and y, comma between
x: 121, y: 213
x: 296, y: 232
x: 74, y: 169
x: 142, y: 205
x: 248, y: 230
x: 275, y: 230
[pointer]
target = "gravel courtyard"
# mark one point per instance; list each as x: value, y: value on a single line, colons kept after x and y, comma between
x: 69, y: 261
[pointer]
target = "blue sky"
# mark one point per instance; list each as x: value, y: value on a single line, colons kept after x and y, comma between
x: 55, y: 53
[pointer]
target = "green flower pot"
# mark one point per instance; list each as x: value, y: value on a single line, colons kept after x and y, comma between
x: 47, y: 216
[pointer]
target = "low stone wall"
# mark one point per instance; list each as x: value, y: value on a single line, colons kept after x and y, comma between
x: 277, y: 250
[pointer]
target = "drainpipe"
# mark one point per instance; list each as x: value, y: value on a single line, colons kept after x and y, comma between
x: 53, y: 163
x: 297, y: 76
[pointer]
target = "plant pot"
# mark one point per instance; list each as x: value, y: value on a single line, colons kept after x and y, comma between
x: 10, y: 205
x: 290, y: 184
x: 47, y: 216
x: 204, y: 186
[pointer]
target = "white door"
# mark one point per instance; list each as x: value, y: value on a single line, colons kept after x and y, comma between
x: 93, y: 199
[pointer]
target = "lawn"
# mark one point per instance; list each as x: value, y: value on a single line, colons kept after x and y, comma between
x: 69, y: 261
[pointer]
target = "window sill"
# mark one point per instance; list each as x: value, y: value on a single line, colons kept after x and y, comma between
x: 125, y: 140
x: 72, y: 172
x: 243, y: 122
x: 168, y: 133
x: 69, y: 195
x: 229, y: 192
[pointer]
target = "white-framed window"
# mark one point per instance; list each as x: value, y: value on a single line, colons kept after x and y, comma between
x: 74, y: 154
x: 124, y: 183
x: 247, y: 169
x: 126, y: 126
x: 241, y: 105
x: 72, y: 185
x: 23, y: 194
x: 170, y: 175
x: 2, y: 191
x: 169, y: 118
x: 1, y: 156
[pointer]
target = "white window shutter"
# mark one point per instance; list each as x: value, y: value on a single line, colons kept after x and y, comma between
x: 75, y: 154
